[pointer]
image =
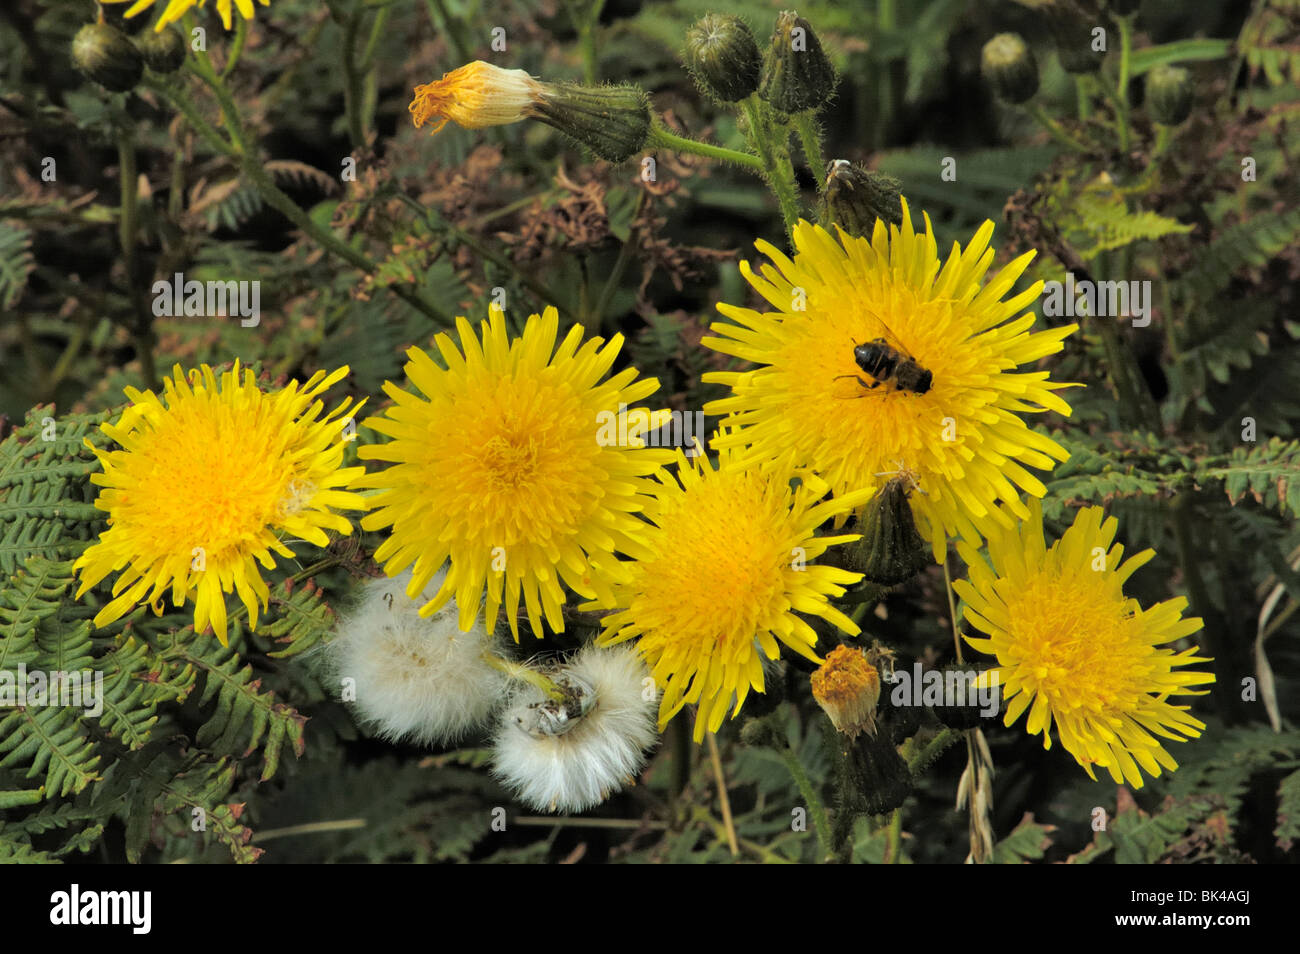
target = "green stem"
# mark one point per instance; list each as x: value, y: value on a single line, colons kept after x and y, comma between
x: 253, y: 170
x: 1121, y: 89
x: 815, y: 807
x: 660, y: 137
x: 780, y: 182
x: 1081, y: 91
x: 521, y: 673
x: 352, y: 87
x: 186, y: 108
x: 449, y: 27
x: 919, y: 761
x: 236, y: 48
x: 811, y: 141
x: 142, y: 323
x: 893, y: 847
x: 535, y: 285
x: 1055, y: 129
x: 620, y: 264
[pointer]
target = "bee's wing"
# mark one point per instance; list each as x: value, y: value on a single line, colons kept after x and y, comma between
x: 892, y: 338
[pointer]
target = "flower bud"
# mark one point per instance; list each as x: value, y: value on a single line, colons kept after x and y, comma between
x: 847, y: 687
x: 891, y: 550
x: 612, y: 121
x: 797, y: 74
x: 878, y: 780
x: 855, y: 197
x: 723, y: 57
x: 1009, y: 67
x: 163, y: 52
x: 107, y: 56
x: 1169, y: 94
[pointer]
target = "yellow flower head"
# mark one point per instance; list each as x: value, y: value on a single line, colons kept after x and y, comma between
x: 208, y: 482
x: 511, y: 466
x: 475, y: 95
x: 1071, y: 647
x: 175, y: 9
x: 961, y: 437
x: 728, y: 563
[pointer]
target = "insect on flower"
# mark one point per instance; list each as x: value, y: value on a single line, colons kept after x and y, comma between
x: 887, y: 364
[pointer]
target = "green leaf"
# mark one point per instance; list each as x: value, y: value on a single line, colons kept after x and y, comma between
x: 1179, y: 51
x: 1027, y: 842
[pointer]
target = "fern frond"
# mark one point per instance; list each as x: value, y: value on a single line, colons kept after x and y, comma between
x: 244, y: 717
x: 45, y: 489
x: 16, y: 263
x: 54, y: 741
x: 1250, y: 244
x: 1268, y: 472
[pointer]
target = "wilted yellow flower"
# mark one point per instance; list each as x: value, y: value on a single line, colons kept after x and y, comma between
x: 503, y: 468
x: 959, y: 434
x: 475, y: 95
x: 1071, y: 647
x: 175, y: 9
x: 726, y: 566
x: 208, y: 483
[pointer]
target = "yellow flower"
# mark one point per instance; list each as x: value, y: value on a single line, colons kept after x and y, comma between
x: 1071, y: 647
x: 209, y: 482
x: 962, y: 437
x: 513, y: 469
x: 727, y: 565
x: 175, y: 9
x: 475, y: 95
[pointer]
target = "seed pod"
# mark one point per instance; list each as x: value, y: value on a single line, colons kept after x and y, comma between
x: 797, y: 74
x: 612, y: 121
x: 107, y: 56
x: 1010, y: 68
x: 163, y: 52
x: 1169, y: 94
x: 855, y: 197
x: 723, y: 57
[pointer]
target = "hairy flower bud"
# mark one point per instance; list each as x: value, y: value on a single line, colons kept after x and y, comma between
x: 723, y: 57
x: 797, y: 74
x: 163, y: 52
x: 1169, y: 94
x: 1010, y: 68
x: 107, y: 55
x: 855, y: 197
x: 891, y: 550
x: 612, y: 121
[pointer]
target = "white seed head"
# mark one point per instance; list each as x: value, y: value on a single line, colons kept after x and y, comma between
x: 420, y: 680
x: 571, y: 758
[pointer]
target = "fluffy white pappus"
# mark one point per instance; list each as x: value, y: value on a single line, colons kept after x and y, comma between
x: 420, y: 680
x: 575, y: 764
